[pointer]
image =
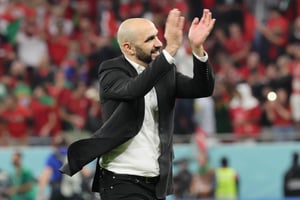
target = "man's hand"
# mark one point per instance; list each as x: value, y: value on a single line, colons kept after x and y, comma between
x: 199, y: 31
x: 174, y: 31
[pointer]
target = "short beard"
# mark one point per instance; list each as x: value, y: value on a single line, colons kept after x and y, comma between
x: 143, y: 56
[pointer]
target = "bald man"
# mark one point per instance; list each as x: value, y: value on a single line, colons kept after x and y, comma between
x: 138, y: 92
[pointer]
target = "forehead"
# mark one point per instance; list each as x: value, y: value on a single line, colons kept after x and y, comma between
x: 146, y: 30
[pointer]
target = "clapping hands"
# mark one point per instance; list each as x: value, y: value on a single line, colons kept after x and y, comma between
x: 198, y: 31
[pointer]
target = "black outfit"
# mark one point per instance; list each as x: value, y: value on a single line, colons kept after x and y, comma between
x: 291, y: 182
x: 122, y: 97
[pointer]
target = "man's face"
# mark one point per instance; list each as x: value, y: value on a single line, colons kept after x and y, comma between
x: 147, y: 46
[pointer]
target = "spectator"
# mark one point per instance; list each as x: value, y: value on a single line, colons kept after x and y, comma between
x: 245, y: 113
x: 22, y: 184
x: 274, y: 35
x: 30, y: 38
x: 17, y: 121
x: 226, y: 181
x: 291, y: 178
x: 279, y: 113
x: 60, y: 90
x: 45, y: 118
x: 228, y: 70
x: 58, y: 35
x: 61, y: 87
x: 236, y: 44
x: 74, y: 112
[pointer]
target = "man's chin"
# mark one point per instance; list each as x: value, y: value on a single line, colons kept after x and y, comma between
x: 154, y: 55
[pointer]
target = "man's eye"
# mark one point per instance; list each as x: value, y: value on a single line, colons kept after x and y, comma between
x: 149, y: 39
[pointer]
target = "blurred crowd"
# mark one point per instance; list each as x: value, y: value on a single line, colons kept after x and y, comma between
x: 207, y: 182
x: 50, y: 51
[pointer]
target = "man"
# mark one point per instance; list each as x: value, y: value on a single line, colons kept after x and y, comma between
x: 22, y: 185
x: 291, y: 186
x: 226, y: 181
x: 138, y: 92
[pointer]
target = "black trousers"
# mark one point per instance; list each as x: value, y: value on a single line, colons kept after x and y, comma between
x: 126, y: 187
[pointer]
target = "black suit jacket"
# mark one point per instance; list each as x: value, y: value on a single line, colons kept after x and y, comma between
x: 122, y: 93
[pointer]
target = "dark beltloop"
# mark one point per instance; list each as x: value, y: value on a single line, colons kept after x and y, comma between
x: 135, y: 178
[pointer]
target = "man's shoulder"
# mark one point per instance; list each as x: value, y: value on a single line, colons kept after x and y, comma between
x: 113, y: 61
x: 118, y: 63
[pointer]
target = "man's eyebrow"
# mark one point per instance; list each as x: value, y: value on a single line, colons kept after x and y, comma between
x: 151, y: 37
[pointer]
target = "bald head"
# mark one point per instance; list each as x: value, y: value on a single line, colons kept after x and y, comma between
x: 138, y: 41
x: 132, y: 28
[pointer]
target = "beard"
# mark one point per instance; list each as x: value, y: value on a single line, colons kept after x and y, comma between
x: 143, y: 56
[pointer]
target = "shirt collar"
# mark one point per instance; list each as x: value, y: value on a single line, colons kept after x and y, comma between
x: 137, y: 67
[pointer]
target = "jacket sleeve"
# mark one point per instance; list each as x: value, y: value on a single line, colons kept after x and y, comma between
x: 201, y: 85
x: 116, y: 83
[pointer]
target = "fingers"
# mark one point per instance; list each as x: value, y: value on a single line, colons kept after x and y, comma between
x: 175, y: 19
x: 195, y: 20
x: 206, y: 18
x: 174, y: 31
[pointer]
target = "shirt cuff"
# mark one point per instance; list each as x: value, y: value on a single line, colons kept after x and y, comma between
x: 168, y: 57
x: 202, y: 58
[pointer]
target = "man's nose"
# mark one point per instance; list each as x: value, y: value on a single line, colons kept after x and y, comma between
x: 157, y: 43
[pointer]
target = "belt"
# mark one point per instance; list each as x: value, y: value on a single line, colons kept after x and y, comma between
x: 143, y: 179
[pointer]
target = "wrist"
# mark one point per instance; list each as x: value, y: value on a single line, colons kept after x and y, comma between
x: 172, y: 50
x: 199, y: 51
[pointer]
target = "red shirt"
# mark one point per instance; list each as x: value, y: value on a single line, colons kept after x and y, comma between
x: 245, y: 121
x: 234, y: 45
x: 245, y: 71
x: 280, y: 121
x: 61, y: 95
x: 58, y: 48
x: 78, y: 106
x: 41, y: 114
x: 16, y: 121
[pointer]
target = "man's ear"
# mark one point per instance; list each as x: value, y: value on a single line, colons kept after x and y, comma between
x: 127, y: 47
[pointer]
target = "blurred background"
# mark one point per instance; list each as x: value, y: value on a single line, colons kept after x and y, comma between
x: 50, y: 51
